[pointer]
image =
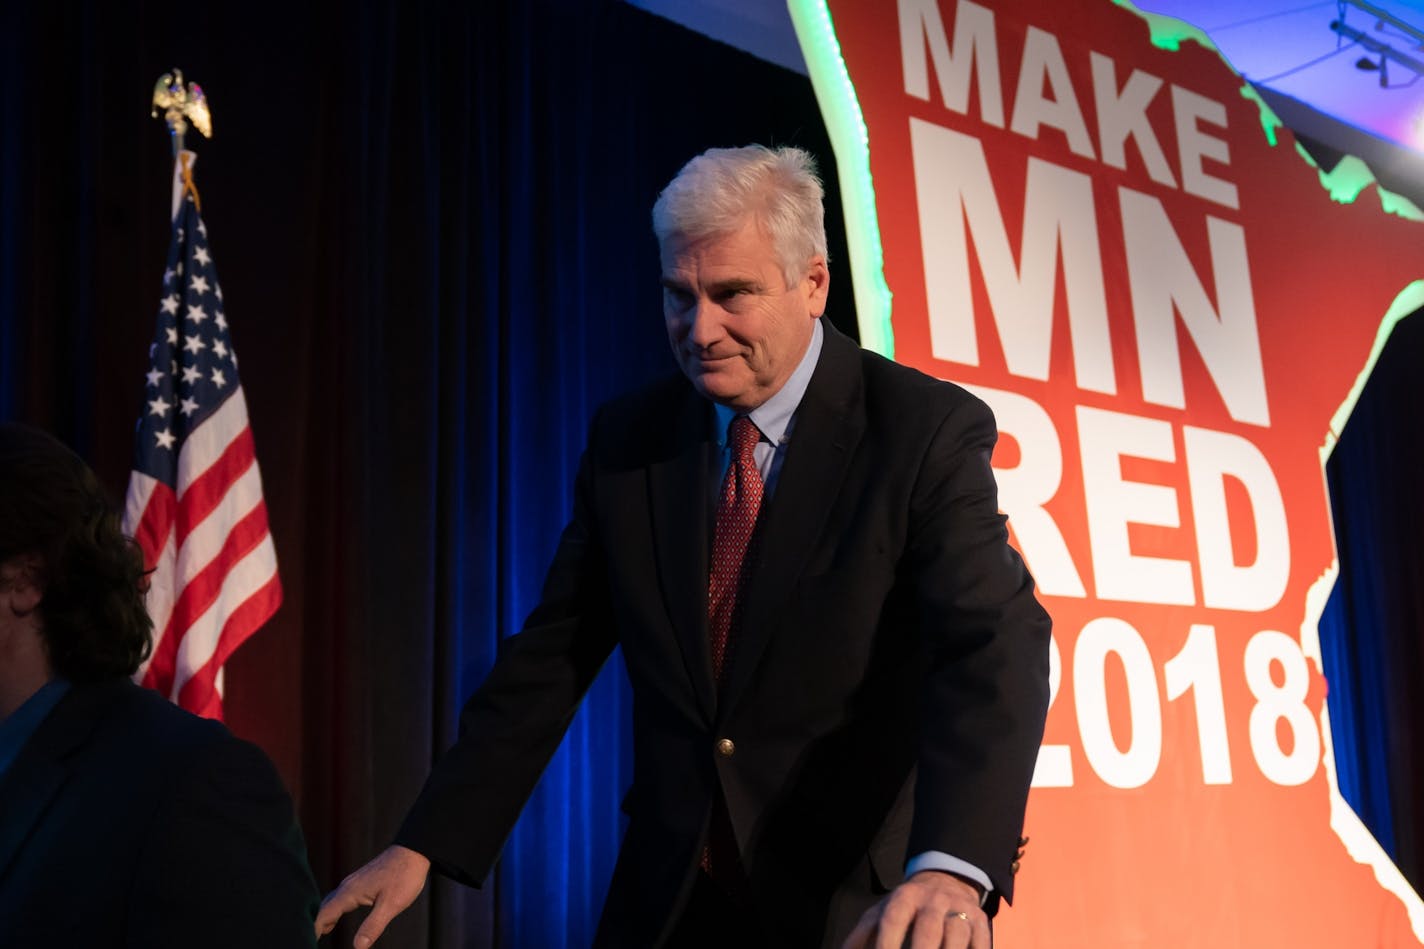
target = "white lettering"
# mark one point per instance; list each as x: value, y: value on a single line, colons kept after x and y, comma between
x: 1193, y: 145
x: 974, y: 43
x: 1054, y: 768
x: 1124, y: 114
x: 953, y: 189
x: 1212, y: 457
x: 1025, y: 488
x: 1281, y: 703
x: 1135, y: 766
x: 1163, y: 283
x: 1112, y: 503
x: 1042, y: 59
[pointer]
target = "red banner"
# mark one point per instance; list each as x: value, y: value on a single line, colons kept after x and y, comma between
x: 1088, y: 218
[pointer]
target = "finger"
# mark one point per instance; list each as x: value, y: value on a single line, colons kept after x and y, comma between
x: 958, y: 931
x: 930, y: 931
x: 894, y: 925
x: 859, y: 937
x: 376, y: 922
x: 983, y: 936
x: 338, y: 903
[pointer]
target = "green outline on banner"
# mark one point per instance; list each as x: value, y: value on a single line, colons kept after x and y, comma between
x: 1349, y: 179
x: 1408, y: 301
x: 1168, y: 32
x: 840, y: 109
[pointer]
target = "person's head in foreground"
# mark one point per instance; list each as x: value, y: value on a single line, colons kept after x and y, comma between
x: 71, y: 584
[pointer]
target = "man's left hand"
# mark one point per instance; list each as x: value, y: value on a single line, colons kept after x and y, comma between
x: 930, y: 910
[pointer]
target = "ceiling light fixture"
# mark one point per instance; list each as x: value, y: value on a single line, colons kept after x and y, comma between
x: 1384, y: 16
x: 1382, y: 49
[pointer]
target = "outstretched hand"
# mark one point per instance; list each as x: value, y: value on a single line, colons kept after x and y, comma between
x: 387, y: 884
x: 930, y: 910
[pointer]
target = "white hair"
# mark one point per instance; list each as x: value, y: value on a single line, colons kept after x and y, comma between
x: 715, y: 193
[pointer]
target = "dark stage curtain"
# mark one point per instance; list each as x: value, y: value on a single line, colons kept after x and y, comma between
x: 1372, y: 631
x: 431, y: 222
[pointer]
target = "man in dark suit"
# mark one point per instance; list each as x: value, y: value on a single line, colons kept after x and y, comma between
x: 124, y: 820
x: 839, y: 669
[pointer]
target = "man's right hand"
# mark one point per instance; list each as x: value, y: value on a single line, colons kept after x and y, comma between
x: 388, y: 884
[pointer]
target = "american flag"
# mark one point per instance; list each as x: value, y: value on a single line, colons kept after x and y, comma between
x: 195, y: 495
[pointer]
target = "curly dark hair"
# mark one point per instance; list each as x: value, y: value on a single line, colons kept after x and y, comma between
x: 92, y: 615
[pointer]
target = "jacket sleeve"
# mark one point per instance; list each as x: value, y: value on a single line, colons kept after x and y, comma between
x: 986, y: 638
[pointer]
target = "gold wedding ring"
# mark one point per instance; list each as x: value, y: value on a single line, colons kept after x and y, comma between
x: 959, y: 915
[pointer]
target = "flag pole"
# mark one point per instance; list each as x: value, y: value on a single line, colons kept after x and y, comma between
x: 183, y: 105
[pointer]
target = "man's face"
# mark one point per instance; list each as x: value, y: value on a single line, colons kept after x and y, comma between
x: 737, y: 330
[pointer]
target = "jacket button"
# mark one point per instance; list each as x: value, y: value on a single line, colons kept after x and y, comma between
x: 725, y: 748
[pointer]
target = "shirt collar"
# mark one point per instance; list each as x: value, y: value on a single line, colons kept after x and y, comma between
x: 773, y: 417
x: 16, y: 730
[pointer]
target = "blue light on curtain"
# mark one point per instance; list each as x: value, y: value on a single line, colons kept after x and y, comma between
x: 555, y: 266
x: 1351, y: 646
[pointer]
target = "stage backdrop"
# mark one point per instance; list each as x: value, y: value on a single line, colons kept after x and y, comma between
x: 1081, y: 213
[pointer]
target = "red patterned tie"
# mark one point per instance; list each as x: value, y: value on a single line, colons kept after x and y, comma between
x: 732, y: 541
x: 733, y: 554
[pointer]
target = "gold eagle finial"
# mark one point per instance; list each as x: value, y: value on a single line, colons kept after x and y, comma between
x: 181, y: 104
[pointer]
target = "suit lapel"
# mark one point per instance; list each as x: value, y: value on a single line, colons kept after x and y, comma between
x: 41, y: 770
x: 678, y: 488
x: 829, y: 424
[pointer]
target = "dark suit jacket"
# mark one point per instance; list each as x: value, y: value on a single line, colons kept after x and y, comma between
x: 887, y: 695
x: 127, y: 822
